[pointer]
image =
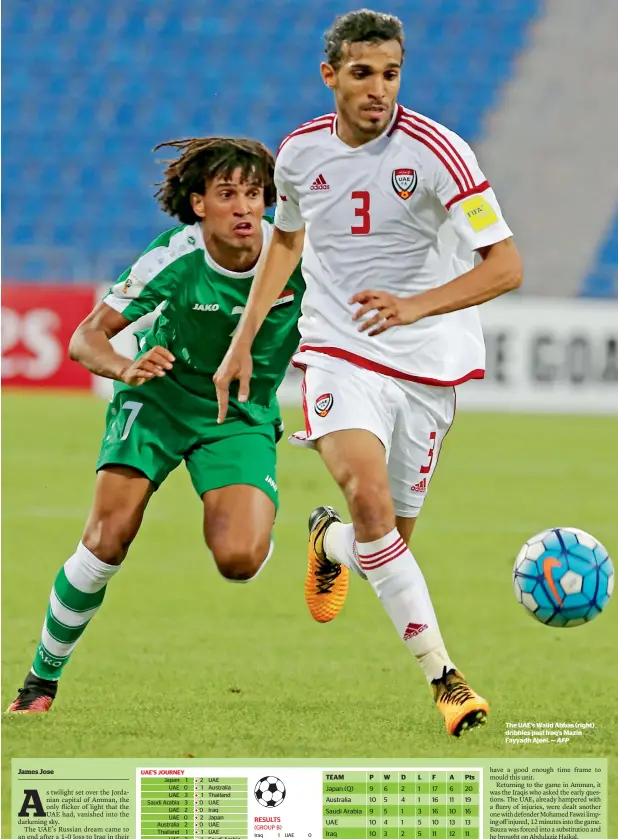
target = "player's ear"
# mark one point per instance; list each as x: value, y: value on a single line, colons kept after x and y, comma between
x: 197, y: 204
x: 328, y: 74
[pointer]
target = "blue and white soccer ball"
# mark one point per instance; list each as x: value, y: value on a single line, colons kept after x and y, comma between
x: 563, y: 577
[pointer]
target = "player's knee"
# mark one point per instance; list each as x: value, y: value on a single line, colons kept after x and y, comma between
x: 370, y: 504
x: 240, y: 561
x: 108, y: 538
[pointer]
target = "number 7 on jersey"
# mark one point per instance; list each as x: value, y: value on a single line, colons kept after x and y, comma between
x: 362, y: 211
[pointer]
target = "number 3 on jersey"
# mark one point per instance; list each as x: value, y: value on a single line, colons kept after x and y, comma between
x: 362, y: 211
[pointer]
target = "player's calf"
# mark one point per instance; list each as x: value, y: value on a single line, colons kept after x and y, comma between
x: 115, y: 519
x: 370, y: 507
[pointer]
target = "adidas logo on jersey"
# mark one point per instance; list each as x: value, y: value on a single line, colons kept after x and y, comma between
x: 206, y: 307
x: 319, y: 183
x: 421, y: 486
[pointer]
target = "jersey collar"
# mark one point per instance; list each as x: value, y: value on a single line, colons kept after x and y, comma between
x: 239, y: 275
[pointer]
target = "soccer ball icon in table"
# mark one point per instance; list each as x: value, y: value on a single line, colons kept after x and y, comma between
x: 269, y: 791
x: 563, y: 577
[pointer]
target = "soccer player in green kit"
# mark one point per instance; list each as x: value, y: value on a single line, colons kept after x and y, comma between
x: 164, y: 409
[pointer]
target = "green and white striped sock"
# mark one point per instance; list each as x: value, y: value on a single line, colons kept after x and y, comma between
x: 78, y: 592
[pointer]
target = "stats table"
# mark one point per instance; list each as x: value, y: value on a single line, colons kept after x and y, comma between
x: 310, y: 803
x: 401, y: 805
x: 185, y: 806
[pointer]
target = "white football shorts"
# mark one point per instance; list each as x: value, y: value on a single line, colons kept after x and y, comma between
x: 409, y: 418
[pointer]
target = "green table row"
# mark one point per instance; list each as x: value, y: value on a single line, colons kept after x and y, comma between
x: 357, y: 788
x: 379, y: 800
x: 412, y: 821
x: 236, y: 833
x: 186, y: 800
x: 402, y: 833
x: 400, y: 810
x: 191, y: 784
x: 201, y: 780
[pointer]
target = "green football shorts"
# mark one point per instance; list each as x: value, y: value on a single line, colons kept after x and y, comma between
x: 156, y: 426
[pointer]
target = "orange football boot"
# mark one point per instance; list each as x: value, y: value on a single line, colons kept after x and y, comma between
x: 326, y: 584
x: 460, y: 706
x: 35, y: 697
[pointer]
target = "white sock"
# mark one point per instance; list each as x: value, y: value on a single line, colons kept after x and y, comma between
x: 87, y: 573
x: 77, y: 594
x: 401, y: 588
x: 340, y: 546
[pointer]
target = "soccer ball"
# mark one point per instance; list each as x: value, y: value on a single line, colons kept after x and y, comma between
x: 269, y: 791
x: 563, y: 577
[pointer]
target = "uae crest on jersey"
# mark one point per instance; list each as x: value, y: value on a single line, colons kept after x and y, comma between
x: 404, y: 182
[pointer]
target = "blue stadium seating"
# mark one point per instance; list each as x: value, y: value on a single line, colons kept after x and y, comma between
x: 602, y: 281
x: 90, y: 88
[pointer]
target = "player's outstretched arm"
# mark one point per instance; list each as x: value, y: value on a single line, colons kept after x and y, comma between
x: 281, y: 259
x: 90, y: 346
x: 499, y: 272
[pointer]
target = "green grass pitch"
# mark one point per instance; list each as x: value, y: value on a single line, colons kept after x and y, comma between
x: 181, y: 663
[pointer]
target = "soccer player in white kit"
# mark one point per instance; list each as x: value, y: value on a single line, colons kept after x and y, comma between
x: 388, y: 209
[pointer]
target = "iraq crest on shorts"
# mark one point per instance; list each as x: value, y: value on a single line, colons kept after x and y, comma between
x: 404, y: 182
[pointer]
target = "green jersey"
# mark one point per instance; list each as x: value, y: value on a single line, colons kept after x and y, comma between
x: 200, y: 307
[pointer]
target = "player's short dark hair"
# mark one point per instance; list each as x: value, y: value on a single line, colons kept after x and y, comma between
x: 205, y: 158
x: 363, y: 25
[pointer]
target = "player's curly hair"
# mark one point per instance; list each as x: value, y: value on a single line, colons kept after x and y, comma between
x: 362, y: 25
x: 205, y: 158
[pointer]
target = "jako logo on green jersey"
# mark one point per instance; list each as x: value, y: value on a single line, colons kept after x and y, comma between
x: 206, y: 307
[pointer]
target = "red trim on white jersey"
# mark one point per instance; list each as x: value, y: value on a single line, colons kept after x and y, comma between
x: 435, y: 135
x: 336, y: 352
x: 303, y: 391
x: 316, y: 124
x: 406, y: 130
x: 443, y: 439
x: 427, y: 134
x: 480, y: 188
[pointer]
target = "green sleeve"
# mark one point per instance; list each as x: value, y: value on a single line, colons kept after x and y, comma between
x: 133, y: 295
x: 152, y: 279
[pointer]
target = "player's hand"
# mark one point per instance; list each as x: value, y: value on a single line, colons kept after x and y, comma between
x: 391, y: 311
x: 148, y: 366
x: 237, y: 364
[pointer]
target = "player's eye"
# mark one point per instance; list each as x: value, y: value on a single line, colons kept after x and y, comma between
x: 390, y: 76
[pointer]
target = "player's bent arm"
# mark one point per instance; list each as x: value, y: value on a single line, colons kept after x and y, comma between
x: 90, y: 346
x: 282, y: 257
x: 90, y: 343
x: 500, y: 271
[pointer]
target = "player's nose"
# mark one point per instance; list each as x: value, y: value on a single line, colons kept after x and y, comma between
x: 242, y: 207
x: 377, y: 88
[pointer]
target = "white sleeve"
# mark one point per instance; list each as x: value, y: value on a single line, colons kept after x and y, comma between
x: 287, y: 214
x: 465, y: 193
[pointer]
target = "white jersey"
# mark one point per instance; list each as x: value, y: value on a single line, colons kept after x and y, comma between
x: 403, y: 213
